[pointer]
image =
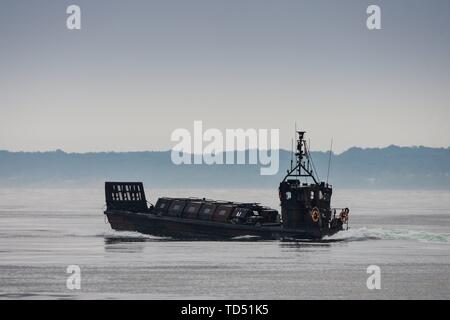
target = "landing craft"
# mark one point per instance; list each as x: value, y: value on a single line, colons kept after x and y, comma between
x: 306, y: 212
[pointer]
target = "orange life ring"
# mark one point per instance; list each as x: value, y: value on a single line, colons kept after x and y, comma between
x: 344, y: 215
x: 315, y: 214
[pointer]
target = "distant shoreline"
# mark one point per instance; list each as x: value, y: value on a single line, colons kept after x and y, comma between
x: 369, y: 168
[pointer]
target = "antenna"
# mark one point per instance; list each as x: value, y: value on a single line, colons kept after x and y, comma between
x: 295, y: 134
x: 292, y: 152
x: 294, y: 139
x: 308, y: 158
x: 329, y: 159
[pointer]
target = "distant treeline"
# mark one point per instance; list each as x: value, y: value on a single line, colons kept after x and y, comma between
x: 391, y: 167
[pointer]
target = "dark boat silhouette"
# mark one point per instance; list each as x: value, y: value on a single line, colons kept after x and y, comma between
x: 306, y: 211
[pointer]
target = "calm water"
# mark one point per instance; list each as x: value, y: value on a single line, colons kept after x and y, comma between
x: 405, y: 233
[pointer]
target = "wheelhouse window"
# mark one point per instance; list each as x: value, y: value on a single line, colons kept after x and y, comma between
x: 320, y: 195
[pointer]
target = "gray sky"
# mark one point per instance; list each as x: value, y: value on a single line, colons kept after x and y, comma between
x: 140, y: 69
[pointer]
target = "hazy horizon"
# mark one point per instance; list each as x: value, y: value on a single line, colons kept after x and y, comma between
x: 169, y: 150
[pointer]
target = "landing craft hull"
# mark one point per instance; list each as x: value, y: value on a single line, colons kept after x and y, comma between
x: 191, y: 229
x: 305, y: 210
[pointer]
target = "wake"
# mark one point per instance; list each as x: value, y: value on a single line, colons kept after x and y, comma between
x: 130, y: 236
x: 362, y: 234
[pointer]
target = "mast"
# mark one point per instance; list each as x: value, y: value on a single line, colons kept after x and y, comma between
x: 302, y: 167
x: 329, y: 159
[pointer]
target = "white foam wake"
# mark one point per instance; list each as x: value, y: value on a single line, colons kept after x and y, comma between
x: 246, y: 237
x: 361, y: 234
x: 112, y: 234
